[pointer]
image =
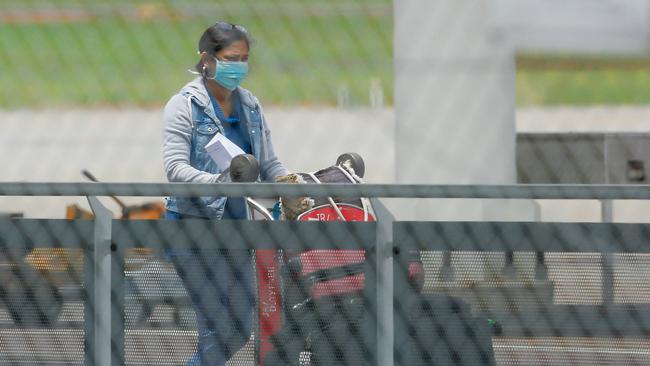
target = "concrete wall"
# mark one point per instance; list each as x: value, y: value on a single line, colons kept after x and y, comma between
x: 454, y: 104
x: 125, y: 146
x: 570, y: 26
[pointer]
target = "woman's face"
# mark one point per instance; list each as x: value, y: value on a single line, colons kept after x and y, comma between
x: 237, y: 51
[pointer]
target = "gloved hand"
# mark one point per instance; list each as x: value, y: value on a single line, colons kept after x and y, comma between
x: 244, y: 168
x: 292, y: 207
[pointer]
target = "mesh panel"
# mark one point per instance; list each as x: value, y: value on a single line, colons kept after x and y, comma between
x: 42, y: 292
x: 323, y: 295
x: 42, y: 346
x: 307, y: 294
x: 629, y: 279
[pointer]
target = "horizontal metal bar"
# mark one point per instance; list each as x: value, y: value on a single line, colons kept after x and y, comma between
x: 45, y: 233
x: 524, y: 236
x: 235, y: 234
x: 270, y: 190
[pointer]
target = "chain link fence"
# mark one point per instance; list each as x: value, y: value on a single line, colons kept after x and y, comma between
x: 547, y: 267
x: 325, y: 292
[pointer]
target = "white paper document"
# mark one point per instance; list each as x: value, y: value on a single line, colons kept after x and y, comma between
x: 222, y: 150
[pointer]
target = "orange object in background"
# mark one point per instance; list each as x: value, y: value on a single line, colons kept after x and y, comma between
x: 73, y: 212
x: 147, y: 211
x: 58, y: 263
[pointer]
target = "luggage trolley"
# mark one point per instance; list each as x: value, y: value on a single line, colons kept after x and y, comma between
x: 311, y: 302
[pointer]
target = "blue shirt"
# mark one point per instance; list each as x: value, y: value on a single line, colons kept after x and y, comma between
x: 236, y: 132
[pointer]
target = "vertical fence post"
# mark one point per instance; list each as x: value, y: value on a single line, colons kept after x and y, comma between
x: 117, y: 303
x: 97, y: 275
x: 607, y: 259
x: 384, y: 271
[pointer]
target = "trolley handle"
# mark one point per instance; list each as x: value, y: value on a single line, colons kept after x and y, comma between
x: 245, y: 168
x: 93, y: 179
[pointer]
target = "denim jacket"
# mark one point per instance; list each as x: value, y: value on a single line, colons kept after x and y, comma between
x: 190, y: 123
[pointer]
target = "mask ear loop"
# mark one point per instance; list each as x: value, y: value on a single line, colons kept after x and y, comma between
x: 203, y: 72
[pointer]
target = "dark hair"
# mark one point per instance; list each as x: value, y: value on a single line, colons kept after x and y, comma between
x: 219, y: 36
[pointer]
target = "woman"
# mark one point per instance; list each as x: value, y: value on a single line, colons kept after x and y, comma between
x: 221, y: 287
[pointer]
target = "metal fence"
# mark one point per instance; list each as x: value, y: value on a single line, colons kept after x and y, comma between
x: 108, y: 291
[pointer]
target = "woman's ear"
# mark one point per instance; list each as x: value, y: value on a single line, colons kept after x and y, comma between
x: 205, y: 62
x: 205, y: 58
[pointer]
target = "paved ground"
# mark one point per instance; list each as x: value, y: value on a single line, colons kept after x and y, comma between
x: 173, y: 347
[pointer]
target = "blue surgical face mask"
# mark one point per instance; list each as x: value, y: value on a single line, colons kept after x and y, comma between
x: 230, y: 74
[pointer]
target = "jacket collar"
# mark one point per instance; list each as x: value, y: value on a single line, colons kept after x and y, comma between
x: 198, y: 91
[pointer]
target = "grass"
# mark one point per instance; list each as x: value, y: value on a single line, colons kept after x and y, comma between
x: 585, y: 80
x: 305, y: 52
x: 583, y: 87
x: 301, y: 58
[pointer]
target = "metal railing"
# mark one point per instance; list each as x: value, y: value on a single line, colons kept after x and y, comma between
x: 104, y: 243
x: 272, y: 190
